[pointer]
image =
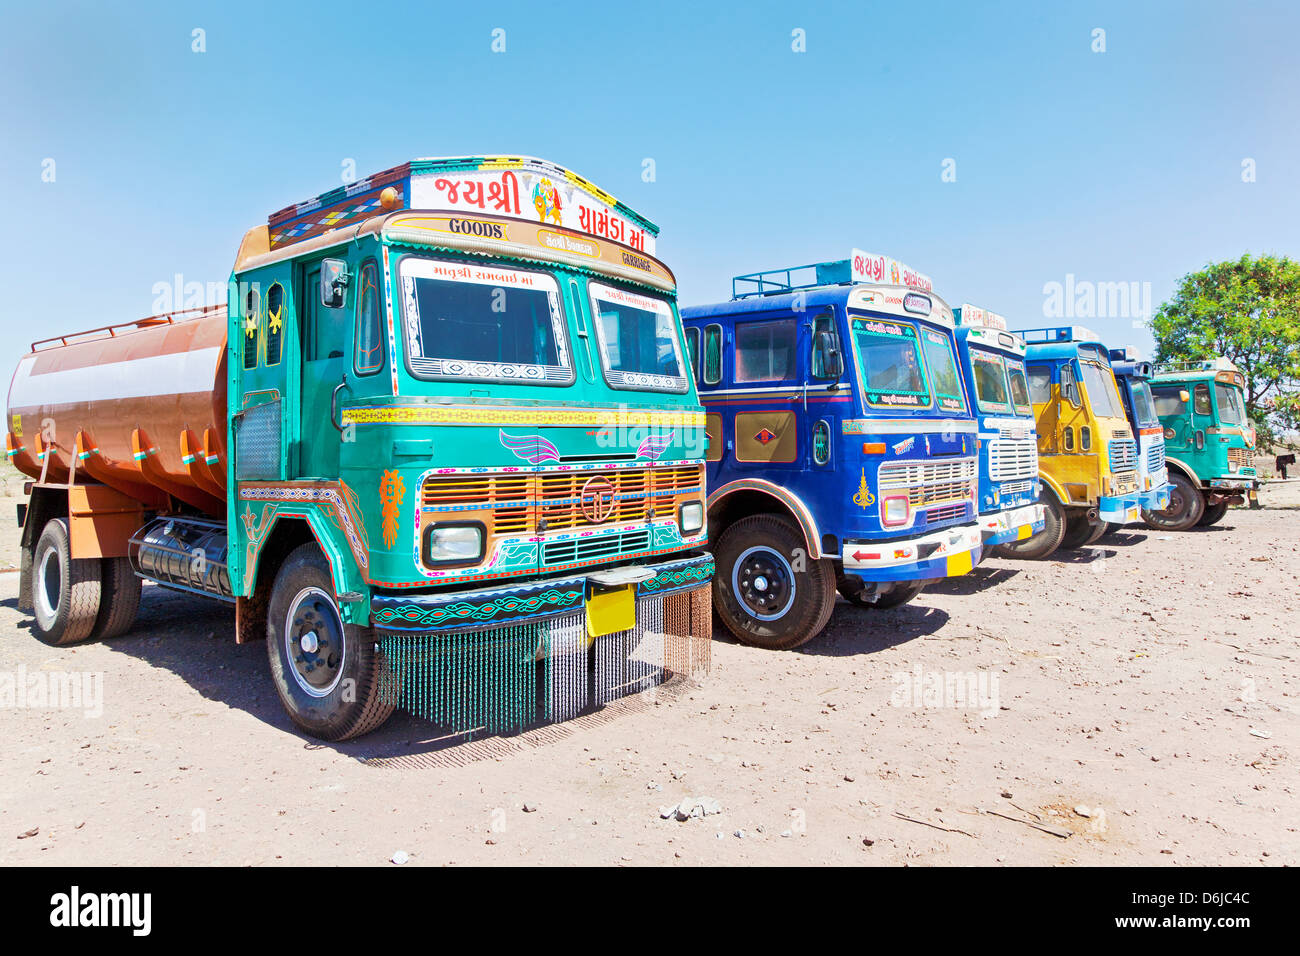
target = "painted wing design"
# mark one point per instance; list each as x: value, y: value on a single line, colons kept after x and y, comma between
x: 531, y: 448
x: 654, y: 446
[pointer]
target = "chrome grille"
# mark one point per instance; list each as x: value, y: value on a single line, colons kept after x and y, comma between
x: 578, y: 550
x: 929, y: 482
x: 1012, y: 460
x: 1156, y: 456
x: 1123, y: 455
x: 1240, y: 456
x: 945, y: 513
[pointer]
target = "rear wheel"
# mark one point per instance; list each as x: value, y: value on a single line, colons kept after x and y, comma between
x: 1110, y: 528
x: 1186, y: 506
x: 1078, y: 531
x: 327, y: 673
x: 760, y: 595
x: 119, y: 601
x: 65, y: 591
x: 896, y: 596
x: 1212, y: 514
x: 1039, y: 546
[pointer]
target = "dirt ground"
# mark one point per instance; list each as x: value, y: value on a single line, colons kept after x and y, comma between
x: 1138, y: 702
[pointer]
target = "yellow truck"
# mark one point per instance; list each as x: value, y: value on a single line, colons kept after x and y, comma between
x: 1087, y: 455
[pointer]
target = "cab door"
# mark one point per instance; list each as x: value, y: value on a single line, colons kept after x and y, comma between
x: 323, y: 332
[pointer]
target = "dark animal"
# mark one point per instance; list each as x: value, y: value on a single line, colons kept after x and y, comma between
x: 1282, y: 462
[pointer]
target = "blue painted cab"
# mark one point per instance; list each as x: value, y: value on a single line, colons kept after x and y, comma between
x: 993, y: 367
x: 1133, y: 378
x: 841, y: 449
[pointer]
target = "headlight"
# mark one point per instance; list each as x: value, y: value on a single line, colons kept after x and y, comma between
x: 453, y: 544
x: 895, y: 511
x: 692, y: 517
x: 1232, y: 467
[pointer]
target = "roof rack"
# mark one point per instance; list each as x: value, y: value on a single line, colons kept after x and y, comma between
x: 779, y: 281
x: 1059, y: 333
x: 112, y: 331
x: 1220, y: 364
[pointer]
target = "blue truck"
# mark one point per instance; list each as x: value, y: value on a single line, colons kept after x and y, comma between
x: 1133, y: 377
x: 841, y: 444
x: 993, y: 366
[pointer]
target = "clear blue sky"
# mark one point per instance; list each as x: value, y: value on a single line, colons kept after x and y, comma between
x: 1122, y: 166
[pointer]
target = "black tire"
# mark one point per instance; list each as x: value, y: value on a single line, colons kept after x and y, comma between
x: 1186, y: 506
x: 343, y: 667
x: 65, y: 591
x: 119, y: 601
x: 1043, y: 544
x: 1078, y: 531
x: 898, y: 595
x: 1213, y: 513
x: 1099, y: 531
x: 777, y: 607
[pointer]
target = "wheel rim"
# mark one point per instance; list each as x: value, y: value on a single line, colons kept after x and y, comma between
x: 313, y: 642
x: 1177, y: 509
x: 763, y: 582
x: 49, y: 584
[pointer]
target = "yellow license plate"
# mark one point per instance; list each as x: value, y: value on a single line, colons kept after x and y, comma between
x: 1131, y: 514
x: 609, y: 612
x: 1024, y: 531
x: 960, y: 563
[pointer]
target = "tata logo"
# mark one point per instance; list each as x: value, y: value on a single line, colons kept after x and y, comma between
x: 597, y: 499
x: 765, y: 436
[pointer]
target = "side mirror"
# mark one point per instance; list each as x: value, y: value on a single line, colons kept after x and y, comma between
x: 1070, y: 387
x: 827, y: 344
x: 333, y: 282
x: 1183, y: 395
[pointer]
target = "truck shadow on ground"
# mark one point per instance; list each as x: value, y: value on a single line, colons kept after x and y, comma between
x: 855, y: 630
x: 194, y: 638
x: 972, y: 582
x: 1124, y: 539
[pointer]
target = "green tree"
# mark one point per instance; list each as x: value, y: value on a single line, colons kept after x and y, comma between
x: 1249, y: 310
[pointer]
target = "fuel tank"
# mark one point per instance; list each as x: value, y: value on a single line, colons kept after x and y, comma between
x: 140, y: 407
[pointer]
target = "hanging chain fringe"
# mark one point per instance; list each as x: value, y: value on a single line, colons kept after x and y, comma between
x: 502, y: 680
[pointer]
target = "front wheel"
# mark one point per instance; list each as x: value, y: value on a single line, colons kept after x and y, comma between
x: 1212, y: 514
x: 328, y: 673
x: 766, y: 590
x: 1044, y: 543
x: 1186, y: 506
x: 897, y: 596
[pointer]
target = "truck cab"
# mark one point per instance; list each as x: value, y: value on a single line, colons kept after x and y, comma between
x: 1134, y: 380
x: 1209, y: 440
x: 993, y: 367
x: 1087, y: 454
x: 841, y: 449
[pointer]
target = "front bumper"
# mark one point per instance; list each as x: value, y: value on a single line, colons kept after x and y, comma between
x: 528, y: 603
x: 1157, y: 499
x: 1120, y: 509
x: 1014, y: 524
x: 939, y: 554
x: 1233, y: 486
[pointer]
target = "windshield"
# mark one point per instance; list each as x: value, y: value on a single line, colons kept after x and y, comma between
x: 483, y: 323
x: 889, y: 363
x: 1019, y: 386
x: 990, y: 381
x: 943, y: 370
x: 1231, y: 411
x: 638, y: 340
x: 1144, y: 406
x: 1099, y: 383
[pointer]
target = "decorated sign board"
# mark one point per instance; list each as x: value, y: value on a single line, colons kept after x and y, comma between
x: 967, y: 314
x: 524, y: 188
x: 869, y: 267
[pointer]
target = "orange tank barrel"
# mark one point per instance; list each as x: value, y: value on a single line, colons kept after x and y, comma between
x: 140, y: 407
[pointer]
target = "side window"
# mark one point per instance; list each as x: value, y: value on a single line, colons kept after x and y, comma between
x: 274, y: 323
x: 765, y: 351
x: 1168, y: 401
x: 823, y: 323
x: 369, y: 356
x: 693, y: 351
x: 1201, y: 399
x: 1040, y: 384
x: 252, y: 311
x: 712, y: 354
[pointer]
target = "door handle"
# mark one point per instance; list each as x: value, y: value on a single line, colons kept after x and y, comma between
x: 334, y: 404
